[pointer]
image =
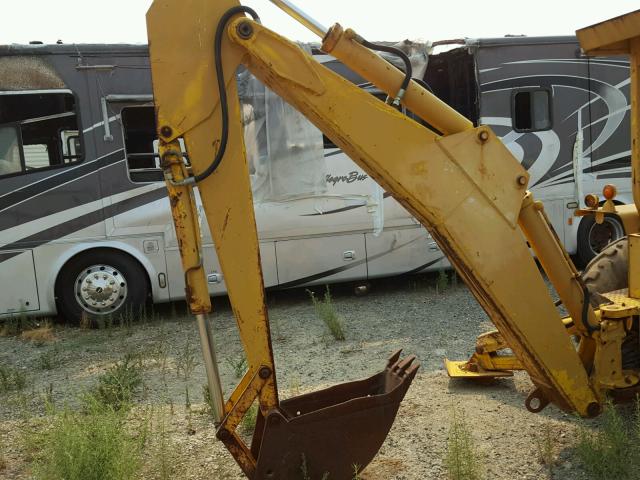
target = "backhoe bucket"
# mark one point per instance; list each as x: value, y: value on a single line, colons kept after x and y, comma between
x: 336, y: 431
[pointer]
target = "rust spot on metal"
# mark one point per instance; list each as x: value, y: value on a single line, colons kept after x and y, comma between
x: 224, y: 224
x: 187, y: 293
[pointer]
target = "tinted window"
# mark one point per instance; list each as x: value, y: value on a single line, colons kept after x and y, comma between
x: 38, y: 130
x: 532, y: 110
x: 141, y: 144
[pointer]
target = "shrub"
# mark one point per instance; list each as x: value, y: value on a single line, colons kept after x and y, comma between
x: 93, y: 444
x: 117, y: 387
x: 461, y: 460
x: 49, y: 359
x: 12, y: 379
x: 612, y: 452
x: 326, y: 310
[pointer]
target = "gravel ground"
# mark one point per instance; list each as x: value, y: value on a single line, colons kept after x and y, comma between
x: 407, y: 313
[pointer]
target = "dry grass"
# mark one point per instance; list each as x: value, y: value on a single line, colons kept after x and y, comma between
x: 40, y: 335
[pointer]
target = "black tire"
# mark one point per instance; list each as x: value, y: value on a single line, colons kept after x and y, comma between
x: 100, y: 284
x: 593, y: 238
x: 607, y: 272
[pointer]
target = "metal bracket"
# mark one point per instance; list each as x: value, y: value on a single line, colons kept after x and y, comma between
x: 105, y: 119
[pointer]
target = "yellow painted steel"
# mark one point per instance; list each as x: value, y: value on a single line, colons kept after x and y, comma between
x: 187, y: 106
x: 621, y: 35
x: 556, y: 262
x: 185, y: 220
x: 457, y: 186
x: 610, y: 37
x: 343, y: 44
x: 634, y: 265
x: 464, y: 186
x: 488, y: 361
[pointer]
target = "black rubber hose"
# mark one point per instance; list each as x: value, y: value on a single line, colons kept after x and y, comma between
x: 397, y: 52
x: 222, y: 91
x: 423, y: 84
x: 586, y: 301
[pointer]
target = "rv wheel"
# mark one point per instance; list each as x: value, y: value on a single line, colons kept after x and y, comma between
x: 101, y: 286
x: 593, y: 237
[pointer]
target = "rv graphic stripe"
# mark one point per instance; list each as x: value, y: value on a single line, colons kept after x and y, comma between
x: 83, y: 221
x: 369, y: 258
x: 341, y: 209
x: 75, y: 193
x: 39, y: 187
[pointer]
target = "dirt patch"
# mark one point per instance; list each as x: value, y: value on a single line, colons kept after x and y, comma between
x: 407, y: 313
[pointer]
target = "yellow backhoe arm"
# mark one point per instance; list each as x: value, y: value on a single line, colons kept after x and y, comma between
x: 463, y: 185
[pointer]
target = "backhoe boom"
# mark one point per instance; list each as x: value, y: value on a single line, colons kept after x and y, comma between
x: 461, y: 183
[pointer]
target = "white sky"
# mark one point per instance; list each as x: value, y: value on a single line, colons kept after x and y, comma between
x: 116, y: 21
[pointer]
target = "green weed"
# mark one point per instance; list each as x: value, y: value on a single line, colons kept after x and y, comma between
x: 248, y: 423
x: 161, y: 451
x: 238, y: 365
x: 186, y: 362
x: 91, y: 444
x: 12, y: 379
x: 209, y: 408
x: 50, y: 359
x: 461, y: 460
x: 117, y: 387
x: 442, y: 282
x: 545, y: 443
x: 326, y: 310
x: 613, y: 451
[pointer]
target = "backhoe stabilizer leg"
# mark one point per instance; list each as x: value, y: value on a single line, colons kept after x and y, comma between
x: 487, y: 361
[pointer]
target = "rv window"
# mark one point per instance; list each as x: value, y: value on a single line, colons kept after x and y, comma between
x: 532, y: 111
x: 42, y: 123
x: 141, y: 144
x: 9, y: 151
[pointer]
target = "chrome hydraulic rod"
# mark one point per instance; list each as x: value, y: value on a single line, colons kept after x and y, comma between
x: 302, y: 17
x: 211, y: 368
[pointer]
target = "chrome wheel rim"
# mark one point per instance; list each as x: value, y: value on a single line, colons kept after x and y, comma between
x: 100, y: 289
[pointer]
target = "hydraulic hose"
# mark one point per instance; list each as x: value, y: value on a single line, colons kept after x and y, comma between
x: 222, y: 91
x: 408, y: 73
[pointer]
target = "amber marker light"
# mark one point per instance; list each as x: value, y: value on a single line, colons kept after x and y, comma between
x: 609, y: 191
x: 591, y: 200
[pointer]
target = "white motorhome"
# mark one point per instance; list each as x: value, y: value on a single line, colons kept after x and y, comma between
x: 85, y: 226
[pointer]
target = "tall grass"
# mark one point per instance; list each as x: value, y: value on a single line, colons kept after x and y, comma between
x: 461, y: 460
x: 613, y: 451
x: 326, y: 310
x: 545, y: 443
x: 93, y: 443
